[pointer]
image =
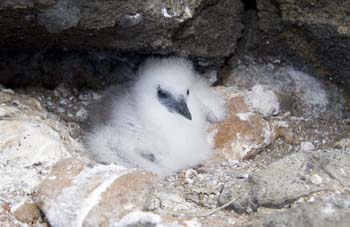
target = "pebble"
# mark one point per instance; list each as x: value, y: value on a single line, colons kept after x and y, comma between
x: 60, y: 110
x: 82, y: 114
x: 8, y: 90
x: 306, y: 147
x: 27, y: 213
x: 4, y: 206
x: 316, y: 179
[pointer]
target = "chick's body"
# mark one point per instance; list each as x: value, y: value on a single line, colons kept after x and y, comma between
x: 157, y: 123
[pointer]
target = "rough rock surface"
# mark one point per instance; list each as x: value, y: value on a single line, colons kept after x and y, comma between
x: 311, y: 35
x: 77, y: 193
x: 290, y: 178
x: 203, y: 28
x: 243, y: 133
x: 297, y: 92
x: 330, y: 210
x: 315, y: 33
x: 30, y: 144
x: 301, y: 163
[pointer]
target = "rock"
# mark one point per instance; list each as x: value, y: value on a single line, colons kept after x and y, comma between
x: 288, y: 179
x: 30, y: 144
x: 263, y: 101
x: 306, y: 147
x: 4, y: 207
x: 314, y: 33
x: 243, y: 133
x: 27, y: 213
x: 78, y: 194
x: 343, y: 144
x: 316, y: 179
x: 241, y: 200
x: 82, y: 114
x: 199, y: 28
x: 335, y: 164
x: 285, y: 89
x: 285, y: 133
x: 328, y: 211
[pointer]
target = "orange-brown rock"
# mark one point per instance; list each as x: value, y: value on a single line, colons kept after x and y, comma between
x: 242, y: 134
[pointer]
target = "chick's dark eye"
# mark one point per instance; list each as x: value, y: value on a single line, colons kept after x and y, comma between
x: 162, y: 94
x: 188, y: 92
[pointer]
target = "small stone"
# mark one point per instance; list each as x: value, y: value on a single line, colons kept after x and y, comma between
x: 8, y: 90
x: 60, y: 110
x: 84, y: 97
x: 27, y: 213
x: 263, y: 101
x: 306, y: 147
x: 316, y: 179
x: 96, y: 96
x: 311, y: 199
x: 131, y: 20
x: 190, y: 175
x: 286, y: 134
x: 343, y: 144
x: 233, y: 162
x: 4, y: 206
x: 82, y: 114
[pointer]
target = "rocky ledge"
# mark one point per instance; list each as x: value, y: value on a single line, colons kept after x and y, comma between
x: 278, y: 160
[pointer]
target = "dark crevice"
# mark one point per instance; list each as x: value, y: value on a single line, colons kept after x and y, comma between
x: 249, y: 5
x: 249, y: 28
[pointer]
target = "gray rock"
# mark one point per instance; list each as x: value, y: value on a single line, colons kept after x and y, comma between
x: 329, y: 211
x: 63, y: 15
x: 208, y: 28
x: 313, y: 33
x: 289, y: 179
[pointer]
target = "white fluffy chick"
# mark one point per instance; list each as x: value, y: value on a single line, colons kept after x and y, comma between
x: 159, y: 121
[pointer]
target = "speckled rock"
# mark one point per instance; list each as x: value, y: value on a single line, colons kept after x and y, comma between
x: 288, y: 179
x: 327, y: 211
x: 30, y: 144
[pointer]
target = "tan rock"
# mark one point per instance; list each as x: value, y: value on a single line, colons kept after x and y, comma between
x: 27, y: 213
x: 14, y: 104
x: 285, y: 134
x: 4, y: 207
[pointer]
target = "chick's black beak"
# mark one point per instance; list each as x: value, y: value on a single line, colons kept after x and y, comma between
x: 182, y: 108
x: 174, y: 105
